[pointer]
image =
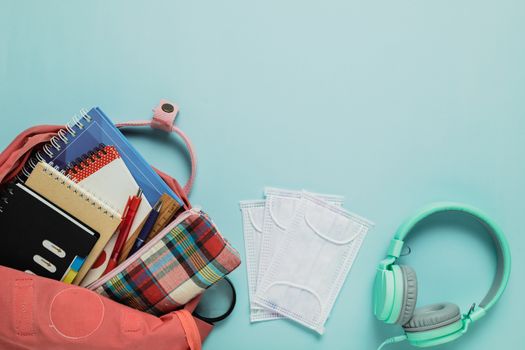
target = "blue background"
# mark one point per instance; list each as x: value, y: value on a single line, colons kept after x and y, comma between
x: 393, y: 104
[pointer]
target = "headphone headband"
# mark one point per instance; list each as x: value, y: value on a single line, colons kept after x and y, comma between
x: 502, y: 249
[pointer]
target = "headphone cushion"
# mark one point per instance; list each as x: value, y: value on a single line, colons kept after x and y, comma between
x: 433, y: 316
x: 409, y: 294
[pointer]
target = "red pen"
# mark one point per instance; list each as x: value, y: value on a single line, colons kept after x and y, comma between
x: 130, y: 211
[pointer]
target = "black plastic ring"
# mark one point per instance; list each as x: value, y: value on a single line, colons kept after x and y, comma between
x: 227, y: 313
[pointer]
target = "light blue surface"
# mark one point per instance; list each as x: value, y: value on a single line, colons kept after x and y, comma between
x: 391, y: 103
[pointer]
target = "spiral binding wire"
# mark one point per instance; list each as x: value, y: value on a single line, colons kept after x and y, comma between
x: 82, y: 193
x: 85, y: 160
x: 63, y: 137
x: 5, y: 194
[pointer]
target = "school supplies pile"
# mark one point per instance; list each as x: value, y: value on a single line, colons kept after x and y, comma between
x: 79, y: 205
x: 300, y: 247
x: 102, y: 218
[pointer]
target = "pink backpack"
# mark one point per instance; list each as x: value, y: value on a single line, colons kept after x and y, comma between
x: 39, y: 313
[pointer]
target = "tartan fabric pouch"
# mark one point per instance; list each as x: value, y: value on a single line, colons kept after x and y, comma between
x: 182, y: 261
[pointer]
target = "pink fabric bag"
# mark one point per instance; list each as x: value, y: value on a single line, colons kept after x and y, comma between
x: 39, y: 313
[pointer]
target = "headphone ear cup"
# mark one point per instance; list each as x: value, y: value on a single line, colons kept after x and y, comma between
x: 409, y: 294
x: 433, y: 316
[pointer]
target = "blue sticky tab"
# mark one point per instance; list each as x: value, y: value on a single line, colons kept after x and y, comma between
x: 77, y: 263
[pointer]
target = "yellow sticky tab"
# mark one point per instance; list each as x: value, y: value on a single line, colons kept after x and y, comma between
x: 70, y: 276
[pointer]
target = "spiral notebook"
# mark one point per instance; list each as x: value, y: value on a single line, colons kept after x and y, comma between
x: 76, y: 201
x: 39, y: 238
x: 103, y: 173
x: 88, y: 131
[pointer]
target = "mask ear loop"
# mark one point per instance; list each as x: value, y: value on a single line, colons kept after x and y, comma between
x: 213, y: 320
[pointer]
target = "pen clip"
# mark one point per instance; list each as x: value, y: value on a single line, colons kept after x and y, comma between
x: 124, y: 214
x: 126, y: 208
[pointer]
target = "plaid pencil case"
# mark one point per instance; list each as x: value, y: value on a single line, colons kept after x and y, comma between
x: 187, y: 257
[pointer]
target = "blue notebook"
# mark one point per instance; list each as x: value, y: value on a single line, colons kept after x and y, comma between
x: 89, y: 131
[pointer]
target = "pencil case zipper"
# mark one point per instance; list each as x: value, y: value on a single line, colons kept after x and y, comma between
x: 95, y: 284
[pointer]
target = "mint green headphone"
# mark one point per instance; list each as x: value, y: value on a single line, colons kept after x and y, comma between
x: 395, y: 287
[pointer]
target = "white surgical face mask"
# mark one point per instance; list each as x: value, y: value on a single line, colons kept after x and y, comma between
x: 280, y: 209
x: 306, y: 274
x: 252, y: 216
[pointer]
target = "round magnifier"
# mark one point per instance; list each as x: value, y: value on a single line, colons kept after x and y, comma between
x: 217, y: 302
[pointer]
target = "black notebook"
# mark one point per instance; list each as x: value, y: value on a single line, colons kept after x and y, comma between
x: 39, y: 238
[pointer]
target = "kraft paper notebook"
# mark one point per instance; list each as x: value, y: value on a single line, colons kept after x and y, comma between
x: 103, y: 173
x: 86, y: 207
x: 40, y: 238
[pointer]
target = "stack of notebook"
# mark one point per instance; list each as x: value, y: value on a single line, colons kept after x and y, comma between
x: 68, y: 214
